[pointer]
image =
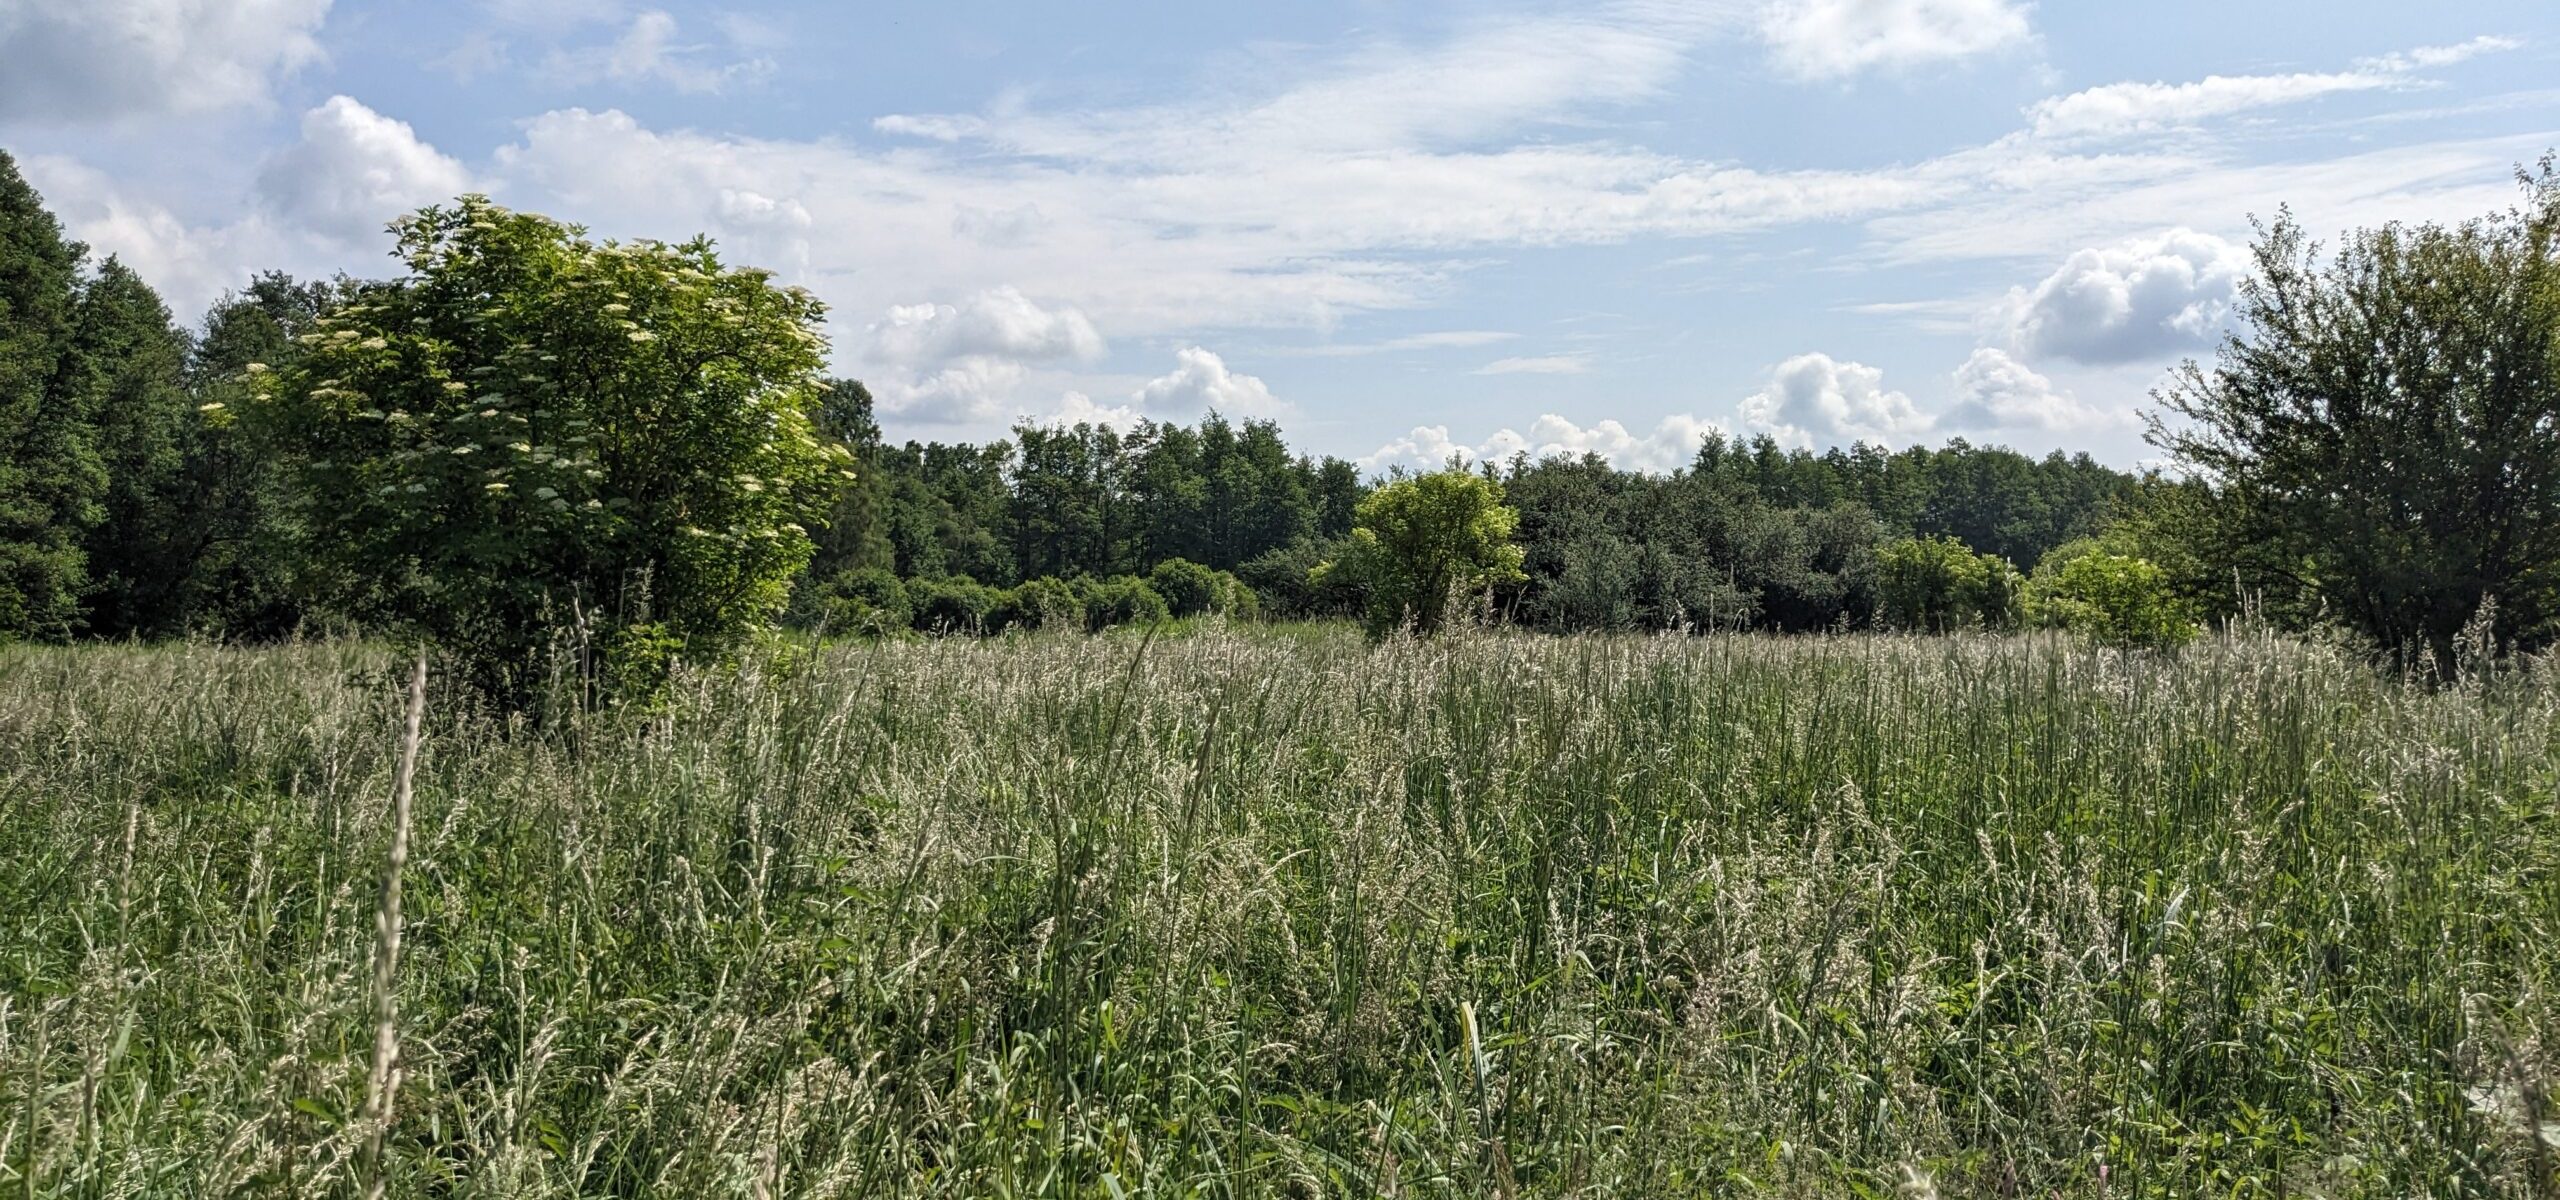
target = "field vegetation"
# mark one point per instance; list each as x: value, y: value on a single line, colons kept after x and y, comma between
x: 1272, y: 911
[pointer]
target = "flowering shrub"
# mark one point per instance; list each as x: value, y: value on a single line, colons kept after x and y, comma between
x: 531, y: 431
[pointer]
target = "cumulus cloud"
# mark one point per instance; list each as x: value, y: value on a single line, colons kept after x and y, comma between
x: 1200, y: 381
x: 997, y: 323
x: 1831, y: 39
x: 651, y: 50
x: 2143, y: 299
x: 966, y: 361
x: 1076, y: 408
x: 1817, y: 400
x: 1996, y: 392
x: 2133, y: 107
x: 189, y: 264
x: 971, y: 390
x: 1543, y: 364
x: 354, y: 170
x: 1668, y: 446
x: 105, y: 59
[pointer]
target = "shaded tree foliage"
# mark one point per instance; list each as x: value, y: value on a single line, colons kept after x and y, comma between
x: 2383, y: 434
x: 52, y: 482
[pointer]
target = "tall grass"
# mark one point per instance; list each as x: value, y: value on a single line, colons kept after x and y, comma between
x: 1244, y: 915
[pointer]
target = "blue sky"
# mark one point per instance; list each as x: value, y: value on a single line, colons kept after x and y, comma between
x: 1404, y: 230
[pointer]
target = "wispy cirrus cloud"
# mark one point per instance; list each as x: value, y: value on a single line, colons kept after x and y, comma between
x: 2117, y: 109
x: 1539, y: 364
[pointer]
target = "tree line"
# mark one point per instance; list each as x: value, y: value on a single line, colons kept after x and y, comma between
x: 1747, y: 535
x: 528, y: 431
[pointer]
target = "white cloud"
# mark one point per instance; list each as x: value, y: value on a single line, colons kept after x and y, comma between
x: 75, y: 60
x: 650, y: 52
x: 1670, y: 445
x: 1544, y: 364
x: 190, y: 265
x: 2143, y: 299
x: 1831, y: 39
x: 1427, y: 446
x: 1446, y: 339
x: 966, y: 391
x: 1817, y: 400
x: 960, y: 362
x: 2132, y: 107
x: 1076, y: 408
x: 2120, y: 108
x: 354, y: 170
x: 1995, y: 392
x: 1200, y: 381
x: 998, y: 323
x: 2423, y: 57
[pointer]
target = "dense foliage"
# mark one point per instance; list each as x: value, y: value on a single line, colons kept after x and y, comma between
x: 2379, y: 447
x: 51, y: 480
x: 1423, y: 546
x: 532, y: 432
x: 1939, y: 584
x: 2385, y: 429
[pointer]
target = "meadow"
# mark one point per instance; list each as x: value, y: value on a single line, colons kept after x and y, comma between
x: 1253, y: 912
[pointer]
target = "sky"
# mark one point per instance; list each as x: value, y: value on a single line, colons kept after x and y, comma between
x: 1402, y: 230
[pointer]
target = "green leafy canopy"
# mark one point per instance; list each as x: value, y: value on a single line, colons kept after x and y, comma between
x: 530, y: 427
x: 1418, y: 544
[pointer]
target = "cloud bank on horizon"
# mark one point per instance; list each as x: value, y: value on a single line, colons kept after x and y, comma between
x: 1433, y: 231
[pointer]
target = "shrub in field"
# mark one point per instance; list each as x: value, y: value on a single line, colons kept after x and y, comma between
x: 1043, y: 603
x: 868, y: 601
x: 531, y: 426
x: 955, y: 605
x: 1120, y: 600
x: 1938, y: 584
x: 1419, y: 544
x: 2112, y: 597
x: 1188, y: 588
x: 1285, y: 582
x: 1239, y: 600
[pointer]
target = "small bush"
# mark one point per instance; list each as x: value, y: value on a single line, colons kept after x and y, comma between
x: 1241, y: 602
x: 1042, y: 603
x: 1120, y: 600
x: 1284, y: 585
x: 1939, y: 584
x: 955, y: 605
x: 1188, y: 588
x: 866, y: 602
x: 2116, y: 598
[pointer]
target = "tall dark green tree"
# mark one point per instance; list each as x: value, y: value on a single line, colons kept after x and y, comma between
x: 2386, y: 425
x: 51, y: 482
x: 856, y: 536
x: 132, y: 364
